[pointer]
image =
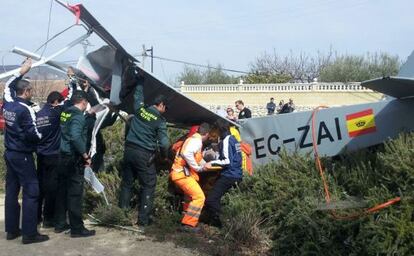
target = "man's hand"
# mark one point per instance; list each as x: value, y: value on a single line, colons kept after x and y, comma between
x: 207, y: 166
x: 87, y: 159
x: 26, y: 66
x: 88, y: 162
x: 91, y: 111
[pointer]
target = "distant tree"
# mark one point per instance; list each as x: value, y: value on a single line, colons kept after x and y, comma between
x: 42, y: 88
x: 266, y: 78
x: 353, y: 68
x: 383, y: 64
x: 301, y: 67
x: 190, y: 76
x: 217, y: 76
x: 211, y: 75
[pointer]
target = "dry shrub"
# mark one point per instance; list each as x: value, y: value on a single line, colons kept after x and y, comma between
x: 113, y: 215
x: 286, y: 195
x: 245, y: 229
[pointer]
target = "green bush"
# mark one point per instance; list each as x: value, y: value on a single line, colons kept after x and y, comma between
x: 282, y: 210
x: 288, y: 196
x: 166, y: 204
x: 113, y: 215
x: 114, y: 137
x: 244, y: 229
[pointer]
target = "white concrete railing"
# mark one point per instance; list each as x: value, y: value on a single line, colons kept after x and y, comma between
x: 257, y: 110
x: 286, y: 87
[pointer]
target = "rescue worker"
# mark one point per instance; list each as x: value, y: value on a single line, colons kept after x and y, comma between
x: 20, y: 138
x: 73, y: 159
x: 85, y: 84
x: 187, y: 164
x: 147, y: 131
x: 230, y: 160
x: 48, y: 123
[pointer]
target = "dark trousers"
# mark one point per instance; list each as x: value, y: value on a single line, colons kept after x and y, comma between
x: 47, y: 167
x: 69, y: 193
x: 213, y: 201
x: 136, y: 165
x: 21, y: 172
x: 98, y: 158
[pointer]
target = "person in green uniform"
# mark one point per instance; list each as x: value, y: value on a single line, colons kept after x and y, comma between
x: 147, y: 132
x: 73, y: 159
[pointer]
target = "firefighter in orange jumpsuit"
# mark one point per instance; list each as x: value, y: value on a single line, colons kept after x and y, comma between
x: 187, y: 164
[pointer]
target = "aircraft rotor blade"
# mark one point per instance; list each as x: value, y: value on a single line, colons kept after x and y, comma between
x: 56, y: 64
x: 45, y: 60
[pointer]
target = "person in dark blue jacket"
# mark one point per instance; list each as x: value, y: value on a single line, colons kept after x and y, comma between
x: 230, y: 160
x: 20, y: 139
x: 48, y: 123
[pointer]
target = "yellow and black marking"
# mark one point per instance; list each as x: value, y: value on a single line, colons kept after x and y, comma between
x: 65, y: 116
x: 146, y: 115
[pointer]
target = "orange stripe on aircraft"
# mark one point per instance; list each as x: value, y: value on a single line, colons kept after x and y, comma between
x: 360, y: 123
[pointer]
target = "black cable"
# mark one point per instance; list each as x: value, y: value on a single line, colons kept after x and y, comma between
x: 196, y: 65
x: 48, y: 28
x: 2, y: 60
x: 56, y: 35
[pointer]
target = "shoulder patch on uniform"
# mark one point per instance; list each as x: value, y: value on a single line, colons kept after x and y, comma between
x: 65, y: 116
x: 146, y: 115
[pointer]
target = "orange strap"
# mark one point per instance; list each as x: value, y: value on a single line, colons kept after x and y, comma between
x: 325, y: 183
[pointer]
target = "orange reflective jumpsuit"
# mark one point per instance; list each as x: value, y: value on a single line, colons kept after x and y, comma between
x: 184, y: 173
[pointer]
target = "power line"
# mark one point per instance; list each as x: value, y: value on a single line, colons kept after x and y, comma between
x: 197, y: 65
x: 170, y: 60
x: 163, y: 71
x: 2, y: 60
x: 48, y: 27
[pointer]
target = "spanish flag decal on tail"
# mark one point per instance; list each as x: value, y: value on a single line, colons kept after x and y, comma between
x: 360, y: 123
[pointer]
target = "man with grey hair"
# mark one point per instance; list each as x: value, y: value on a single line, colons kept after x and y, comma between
x: 20, y: 139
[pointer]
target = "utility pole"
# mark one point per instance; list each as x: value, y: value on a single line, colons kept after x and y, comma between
x: 152, y: 59
x: 145, y: 54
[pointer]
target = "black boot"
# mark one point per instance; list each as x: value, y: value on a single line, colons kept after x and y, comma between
x: 82, y: 233
x: 216, y: 222
x: 62, y: 229
x: 189, y: 229
x: 38, y: 238
x: 14, y: 235
x: 48, y: 224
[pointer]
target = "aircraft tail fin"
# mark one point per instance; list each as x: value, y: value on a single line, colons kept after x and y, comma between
x: 397, y: 87
x: 401, y: 86
x: 407, y: 69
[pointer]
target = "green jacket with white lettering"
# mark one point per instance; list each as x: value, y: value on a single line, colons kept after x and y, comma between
x: 148, y: 128
x: 74, y: 131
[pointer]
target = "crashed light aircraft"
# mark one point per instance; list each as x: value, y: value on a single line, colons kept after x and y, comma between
x: 331, y: 131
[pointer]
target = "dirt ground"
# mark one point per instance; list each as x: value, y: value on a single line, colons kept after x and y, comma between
x: 106, y: 242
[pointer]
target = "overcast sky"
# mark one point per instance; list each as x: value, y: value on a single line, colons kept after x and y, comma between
x: 232, y: 33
